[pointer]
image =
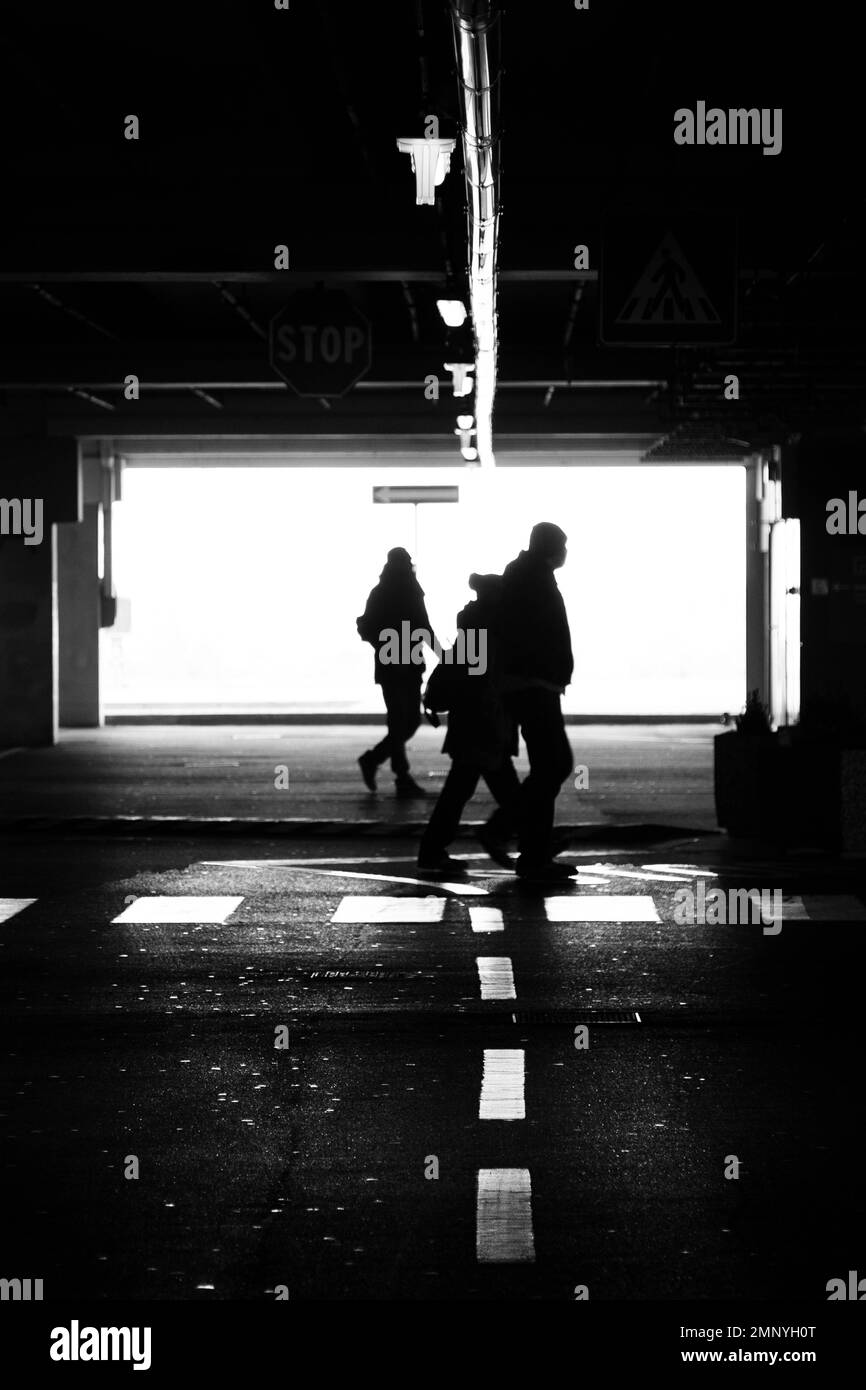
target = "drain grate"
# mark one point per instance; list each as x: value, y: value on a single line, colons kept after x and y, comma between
x: 363, y: 974
x: 575, y: 1016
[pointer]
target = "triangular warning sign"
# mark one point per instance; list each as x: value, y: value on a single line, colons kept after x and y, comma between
x: 668, y: 292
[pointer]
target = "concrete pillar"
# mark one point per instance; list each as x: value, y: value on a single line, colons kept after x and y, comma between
x: 79, y: 617
x: 43, y: 472
x: 28, y: 642
x: 757, y: 589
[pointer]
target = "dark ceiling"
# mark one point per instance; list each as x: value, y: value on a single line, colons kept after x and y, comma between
x: 261, y: 127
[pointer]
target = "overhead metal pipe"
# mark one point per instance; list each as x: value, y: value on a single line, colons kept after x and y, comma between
x: 476, y: 30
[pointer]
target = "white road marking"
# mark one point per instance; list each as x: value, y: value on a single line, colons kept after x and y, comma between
x: 609, y: 871
x: 502, y: 1085
x: 466, y: 889
x: 503, y: 1221
x: 598, y: 907
x: 486, y: 919
x: 830, y: 907
x: 181, y: 909
x: 315, y: 863
x: 10, y: 907
x: 359, y: 908
x: 496, y: 976
x: 686, y: 869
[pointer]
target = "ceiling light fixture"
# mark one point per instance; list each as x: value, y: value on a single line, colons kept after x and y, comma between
x: 453, y: 312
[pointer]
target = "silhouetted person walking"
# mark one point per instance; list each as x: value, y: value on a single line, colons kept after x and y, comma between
x: 481, y: 737
x: 395, y: 610
x: 537, y: 666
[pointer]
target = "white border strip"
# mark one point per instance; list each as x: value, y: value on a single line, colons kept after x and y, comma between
x: 496, y: 976
x: 486, y: 919
x: 502, y: 1096
x: 503, y: 1221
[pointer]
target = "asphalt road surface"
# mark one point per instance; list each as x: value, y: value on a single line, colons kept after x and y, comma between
x: 434, y: 1126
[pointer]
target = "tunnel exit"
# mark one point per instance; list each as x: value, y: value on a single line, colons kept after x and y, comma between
x: 239, y: 586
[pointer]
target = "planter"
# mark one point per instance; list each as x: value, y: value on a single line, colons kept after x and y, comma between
x: 788, y: 793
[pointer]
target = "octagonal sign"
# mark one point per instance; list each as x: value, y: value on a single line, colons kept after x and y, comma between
x: 320, y: 343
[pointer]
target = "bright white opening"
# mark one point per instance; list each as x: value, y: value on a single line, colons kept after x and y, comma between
x: 244, y: 583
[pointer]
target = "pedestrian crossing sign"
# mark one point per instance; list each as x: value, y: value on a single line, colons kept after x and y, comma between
x: 669, y: 284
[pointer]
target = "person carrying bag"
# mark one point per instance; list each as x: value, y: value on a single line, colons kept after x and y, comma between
x: 481, y: 738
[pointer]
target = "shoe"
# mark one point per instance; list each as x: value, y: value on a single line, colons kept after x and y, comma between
x: 407, y: 787
x: 368, y: 765
x: 496, y: 848
x: 545, y: 873
x: 441, y: 863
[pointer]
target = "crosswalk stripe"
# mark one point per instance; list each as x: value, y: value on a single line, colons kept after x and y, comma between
x: 179, y: 909
x: 10, y: 907
x: 601, y: 907
x: 496, y: 976
x: 503, y: 1221
x: 486, y: 919
x: 502, y: 1084
x: 374, y: 909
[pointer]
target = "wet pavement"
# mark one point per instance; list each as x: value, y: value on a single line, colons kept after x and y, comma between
x: 348, y: 1163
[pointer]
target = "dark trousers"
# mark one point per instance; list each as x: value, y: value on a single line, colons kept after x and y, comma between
x: 403, y: 704
x: 539, y: 714
x: 459, y: 786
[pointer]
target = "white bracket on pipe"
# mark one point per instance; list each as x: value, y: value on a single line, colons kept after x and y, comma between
x: 431, y: 160
x: 461, y: 377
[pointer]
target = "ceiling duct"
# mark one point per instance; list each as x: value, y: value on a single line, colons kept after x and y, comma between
x: 477, y: 48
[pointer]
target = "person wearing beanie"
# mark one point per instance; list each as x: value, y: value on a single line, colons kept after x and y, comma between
x: 397, y: 600
x: 537, y: 664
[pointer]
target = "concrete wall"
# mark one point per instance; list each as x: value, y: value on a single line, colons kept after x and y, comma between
x: 46, y: 470
x: 833, y: 587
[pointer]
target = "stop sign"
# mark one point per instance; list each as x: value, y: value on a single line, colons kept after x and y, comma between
x: 320, y: 343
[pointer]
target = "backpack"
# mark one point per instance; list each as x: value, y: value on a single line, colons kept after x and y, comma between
x: 446, y: 688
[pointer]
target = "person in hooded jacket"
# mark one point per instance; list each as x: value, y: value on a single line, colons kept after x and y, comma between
x: 480, y: 741
x: 537, y: 667
x: 397, y: 598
